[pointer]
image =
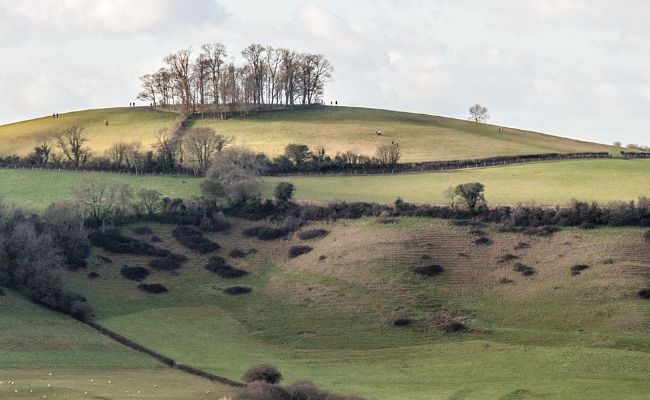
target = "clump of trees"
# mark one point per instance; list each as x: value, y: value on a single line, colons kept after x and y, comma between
x: 267, y: 75
x: 31, y: 261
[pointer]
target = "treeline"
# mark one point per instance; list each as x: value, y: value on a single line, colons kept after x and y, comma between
x: 32, y: 255
x: 266, y: 75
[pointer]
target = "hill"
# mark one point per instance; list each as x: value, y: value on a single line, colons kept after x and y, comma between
x: 338, y: 129
x: 329, y: 315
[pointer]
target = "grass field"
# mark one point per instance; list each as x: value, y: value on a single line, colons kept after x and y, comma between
x: 49, y: 354
x: 551, y: 335
x: 338, y: 129
x: 550, y: 183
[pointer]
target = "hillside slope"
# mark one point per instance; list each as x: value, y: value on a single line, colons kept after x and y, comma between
x: 338, y: 129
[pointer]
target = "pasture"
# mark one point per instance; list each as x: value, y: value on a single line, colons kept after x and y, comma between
x: 328, y: 319
x: 548, y: 183
x: 338, y: 129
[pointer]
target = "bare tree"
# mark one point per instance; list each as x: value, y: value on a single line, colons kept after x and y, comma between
x: 203, y: 143
x: 71, y: 142
x: 96, y: 197
x: 149, y: 200
x: 215, y: 54
x: 254, y: 55
x: 117, y: 153
x: 179, y: 68
x: 163, y: 84
x: 478, y: 113
x: 148, y: 85
x: 41, y: 154
x: 233, y: 175
x: 389, y: 154
x: 167, y: 149
x: 133, y: 156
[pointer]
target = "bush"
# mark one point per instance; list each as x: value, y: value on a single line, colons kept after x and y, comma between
x: 265, y: 232
x: 521, y: 246
x: 218, y: 265
x: 237, y: 290
x: 402, y: 321
x: 452, y: 327
x: 93, y: 275
x: 483, y: 241
x: 506, y: 258
x: 142, y: 230
x: 262, y: 391
x: 644, y: 293
x: 81, y: 310
x: 154, y: 288
x: 322, y: 257
x: 262, y: 372
x: 306, y: 390
x: 165, y: 264
x: 429, y: 270
x: 525, y: 270
x: 237, y: 253
x: 115, y: 242
x: 283, y: 192
x: 134, y: 273
x: 576, y: 269
x: 646, y: 236
x: 193, y: 239
x: 104, y: 259
x: 505, y: 281
x: 295, y: 251
x: 312, y: 234
x: 156, y: 239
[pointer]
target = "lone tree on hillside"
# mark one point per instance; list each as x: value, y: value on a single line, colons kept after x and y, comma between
x: 71, y: 142
x: 472, y: 193
x: 478, y: 113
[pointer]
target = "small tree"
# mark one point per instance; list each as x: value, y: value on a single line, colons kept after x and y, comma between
x: 388, y: 154
x: 297, y: 152
x: 233, y: 175
x: 283, y: 192
x: 262, y: 372
x: 71, y: 142
x: 478, y: 113
x: 149, y: 200
x: 472, y: 193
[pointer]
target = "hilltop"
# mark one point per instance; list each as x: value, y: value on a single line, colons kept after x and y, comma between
x: 338, y: 129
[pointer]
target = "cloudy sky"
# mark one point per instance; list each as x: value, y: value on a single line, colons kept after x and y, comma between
x: 578, y: 68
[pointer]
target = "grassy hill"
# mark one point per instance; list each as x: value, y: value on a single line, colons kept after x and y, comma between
x: 327, y: 315
x: 338, y: 129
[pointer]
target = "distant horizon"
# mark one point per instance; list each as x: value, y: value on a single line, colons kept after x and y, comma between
x: 573, y: 69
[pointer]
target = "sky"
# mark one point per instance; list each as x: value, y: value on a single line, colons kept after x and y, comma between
x: 575, y: 68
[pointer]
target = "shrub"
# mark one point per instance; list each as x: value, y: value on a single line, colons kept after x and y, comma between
x: 429, y: 270
x: 521, y: 246
x: 155, y: 288
x: 142, y: 230
x: 262, y: 391
x: 483, y: 241
x: 134, y: 273
x: 312, y: 234
x: 237, y: 290
x: 165, y: 264
x: 295, y: 251
x: 306, y: 390
x: 576, y: 269
x: 262, y: 372
x: 218, y: 265
x: 113, y: 241
x: 525, y: 270
x: 644, y: 293
x: 193, y: 239
x: 283, y: 192
x: 506, y: 258
x: 93, y: 275
x: 505, y: 281
x: 322, y: 257
x: 104, y: 259
x: 237, y: 253
x: 401, y: 321
x: 608, y: 261
x: 452, y: 327
x: 156, y: 239
x: 265, y: 232
x: 81, y: 310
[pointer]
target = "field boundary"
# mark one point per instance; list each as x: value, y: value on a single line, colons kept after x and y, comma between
x: 170, y: 362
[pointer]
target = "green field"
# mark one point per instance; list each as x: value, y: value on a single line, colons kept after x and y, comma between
x: 48, y: 354
x: 547, y: 336
x: 549, y: 183
x: 338, y: 129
